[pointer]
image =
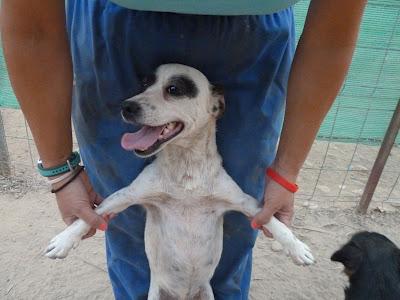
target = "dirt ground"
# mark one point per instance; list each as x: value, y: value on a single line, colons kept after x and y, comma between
x: 331, y: 184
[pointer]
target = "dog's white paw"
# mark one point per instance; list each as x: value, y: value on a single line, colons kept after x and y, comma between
x: 62, y: 243
x: 299, y: 252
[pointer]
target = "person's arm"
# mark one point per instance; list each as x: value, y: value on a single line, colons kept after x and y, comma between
x: 322, y: 59
x: 37, y: 55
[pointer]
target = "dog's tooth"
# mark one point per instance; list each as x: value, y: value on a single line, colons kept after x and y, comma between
x: 165, y: 131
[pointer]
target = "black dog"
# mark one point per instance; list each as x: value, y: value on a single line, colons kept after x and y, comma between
x: 372, y: 263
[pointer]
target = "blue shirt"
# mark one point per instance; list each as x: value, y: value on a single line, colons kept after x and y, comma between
x: 210, y: 7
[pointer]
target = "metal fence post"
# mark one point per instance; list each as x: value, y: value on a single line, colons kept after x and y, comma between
x: 380, y: 161
x: 5, y: 169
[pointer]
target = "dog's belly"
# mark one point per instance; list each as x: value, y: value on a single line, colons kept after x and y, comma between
x: 183, y: 245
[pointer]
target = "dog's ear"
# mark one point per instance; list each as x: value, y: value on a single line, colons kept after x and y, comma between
x: 350, y: 256
x: 218, y: 101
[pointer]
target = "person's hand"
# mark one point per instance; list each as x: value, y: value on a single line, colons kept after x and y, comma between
x: 278, y: 202
x: 77, y: 200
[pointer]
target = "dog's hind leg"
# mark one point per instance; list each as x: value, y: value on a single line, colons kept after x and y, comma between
x: 136, y: 193
x: 206, y: 293
x: 233, y: 198
x: 154, y: 292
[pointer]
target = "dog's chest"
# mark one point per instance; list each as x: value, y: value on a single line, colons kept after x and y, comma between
x: 184, y: 217
x: 183, y: 239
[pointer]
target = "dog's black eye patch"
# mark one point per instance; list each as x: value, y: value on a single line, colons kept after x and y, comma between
x: 181, y: 86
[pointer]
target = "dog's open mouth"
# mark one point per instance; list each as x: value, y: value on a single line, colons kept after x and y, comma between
x: 149, y: 139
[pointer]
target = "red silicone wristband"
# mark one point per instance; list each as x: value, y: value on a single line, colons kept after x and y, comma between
x: 291, y: 187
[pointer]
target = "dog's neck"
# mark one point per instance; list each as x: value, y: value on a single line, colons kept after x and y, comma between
x: 193, y: 160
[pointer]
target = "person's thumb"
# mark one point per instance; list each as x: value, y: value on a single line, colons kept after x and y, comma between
x: 262, y: 217
x: 94, y: 220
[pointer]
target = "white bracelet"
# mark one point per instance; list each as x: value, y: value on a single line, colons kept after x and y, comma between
x: 62, y: 177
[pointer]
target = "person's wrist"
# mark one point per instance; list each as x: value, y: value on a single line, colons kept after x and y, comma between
x: 68, y: 179
x: 289, y: 172
x: 50, y: 162
x: 67, y: 166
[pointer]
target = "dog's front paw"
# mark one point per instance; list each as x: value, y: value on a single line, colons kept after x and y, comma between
x: 62, y: 243
x: 299, y: 252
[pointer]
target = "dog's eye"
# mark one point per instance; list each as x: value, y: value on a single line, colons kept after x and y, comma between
x: 173, y: 90
x: 181, y: 86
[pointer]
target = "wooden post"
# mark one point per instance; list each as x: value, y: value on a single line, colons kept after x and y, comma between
x: 380, y: 161
x: 4, y: 158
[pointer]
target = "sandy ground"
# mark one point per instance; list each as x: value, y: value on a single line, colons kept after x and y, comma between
x: 331, y: 184
x: 28, y: 222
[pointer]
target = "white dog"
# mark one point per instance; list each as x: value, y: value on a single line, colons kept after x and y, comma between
x: 185, y: 191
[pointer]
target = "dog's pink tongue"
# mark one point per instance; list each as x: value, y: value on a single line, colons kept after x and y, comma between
x: 142, y: 139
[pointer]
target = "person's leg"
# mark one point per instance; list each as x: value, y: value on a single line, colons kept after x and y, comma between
x: 254, y: 71
x: 112, y: 48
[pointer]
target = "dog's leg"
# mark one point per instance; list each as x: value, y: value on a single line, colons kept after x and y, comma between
x: 236, y: 199
x: 154, y: 293
x: 135, y: 193
x: 206, y: 293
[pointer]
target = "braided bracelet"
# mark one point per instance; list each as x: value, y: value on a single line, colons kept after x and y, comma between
x: 62, y: 177
x: 81, y: 168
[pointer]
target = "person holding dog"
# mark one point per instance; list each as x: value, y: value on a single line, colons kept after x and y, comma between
x: 273, y: 91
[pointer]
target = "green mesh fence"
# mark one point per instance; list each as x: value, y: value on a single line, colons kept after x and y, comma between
x: 7, y: 97
x: 369, y: 95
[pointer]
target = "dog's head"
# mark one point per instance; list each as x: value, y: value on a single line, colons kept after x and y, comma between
x: 372, y: 263
x: 176, y: 102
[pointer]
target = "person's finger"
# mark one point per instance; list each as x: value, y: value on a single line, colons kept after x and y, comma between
x: 286, y: 218
x: 97, y: 199
x: 91, y: 232
x: 94, y: 220
x: 263, y: 216
x: 108, y: 217
x: 266, y: 232
x: 69, y: 220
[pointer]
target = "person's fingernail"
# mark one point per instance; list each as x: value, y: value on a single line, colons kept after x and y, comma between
x: 254, y: 225
x: 102, y: 227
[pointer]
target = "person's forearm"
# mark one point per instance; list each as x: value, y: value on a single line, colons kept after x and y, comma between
x: 37, y: 55
x: 321, y: 61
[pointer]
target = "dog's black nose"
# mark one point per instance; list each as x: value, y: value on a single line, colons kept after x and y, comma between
x: 130, y: 109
